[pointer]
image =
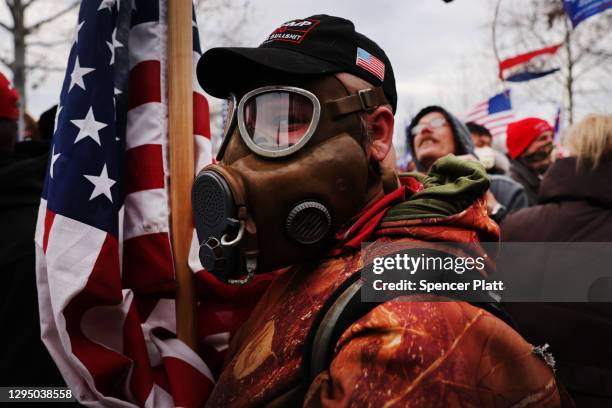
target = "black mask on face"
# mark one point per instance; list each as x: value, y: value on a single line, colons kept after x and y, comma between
x: 537, y: 160
x: 541, y: 154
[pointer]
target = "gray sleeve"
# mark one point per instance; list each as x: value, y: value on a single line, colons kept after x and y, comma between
x: 508, y: 193
x: 518, y: 200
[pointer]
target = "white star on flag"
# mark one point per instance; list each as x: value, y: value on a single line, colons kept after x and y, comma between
x: 106, y: 4
x: 116, y: 94
x: 102, y: 184
x: 54, y: 158
x: 57, y: 115
x: 76, y: 78
x: 89, y: 127
x: 112, y: 46
x: 77, y: 29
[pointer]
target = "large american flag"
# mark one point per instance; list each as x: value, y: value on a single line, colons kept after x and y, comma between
x: 104, y: 261
x: 495, y: 114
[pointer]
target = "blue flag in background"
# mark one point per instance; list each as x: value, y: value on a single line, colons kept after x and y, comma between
x: 580, y: 10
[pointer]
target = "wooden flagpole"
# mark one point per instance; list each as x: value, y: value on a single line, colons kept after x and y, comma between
x: 181, y: 151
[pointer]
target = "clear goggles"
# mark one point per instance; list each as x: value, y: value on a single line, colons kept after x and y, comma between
x: 276, y: 121
x: 432, y: 124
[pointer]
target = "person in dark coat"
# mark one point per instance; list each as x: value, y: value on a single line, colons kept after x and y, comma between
x: 24, y: 360
x: 434, y: 132
x: 574, y: 205
x: 530, y: 144
x: 46, y: 124
x: 37, y: 136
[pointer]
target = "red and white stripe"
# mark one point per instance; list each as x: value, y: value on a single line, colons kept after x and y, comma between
x: 495, y: 123
x: 374, y: 65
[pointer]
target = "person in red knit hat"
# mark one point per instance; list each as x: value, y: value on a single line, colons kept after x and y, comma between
x: 9, y: 114
x: 8, y: 100
x: 530, y: 144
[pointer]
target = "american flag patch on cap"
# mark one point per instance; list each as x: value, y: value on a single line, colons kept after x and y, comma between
x: 370, y: 63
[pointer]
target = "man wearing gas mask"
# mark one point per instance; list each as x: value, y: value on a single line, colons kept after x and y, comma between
x: 530, y: 146
x: 299, y: 185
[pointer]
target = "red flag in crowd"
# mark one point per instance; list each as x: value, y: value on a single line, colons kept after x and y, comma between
x: 531, y: 65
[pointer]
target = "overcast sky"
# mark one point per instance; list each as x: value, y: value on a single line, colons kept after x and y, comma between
x: 428, y: 43
x: 441, y: 53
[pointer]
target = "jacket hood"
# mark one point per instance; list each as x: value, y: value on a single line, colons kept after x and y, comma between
x: 563, y: 182
x: 449, y: 195
x: 460, y: 131
x: 449, y: 208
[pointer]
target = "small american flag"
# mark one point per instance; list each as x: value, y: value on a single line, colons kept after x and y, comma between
x: 104, y: 262
x: 370, y: 63
x: 495, y: 113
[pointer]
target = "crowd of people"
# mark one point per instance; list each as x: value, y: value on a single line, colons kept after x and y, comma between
x: 530, y: 192
x: 543, y: 193
x: 23, y: 165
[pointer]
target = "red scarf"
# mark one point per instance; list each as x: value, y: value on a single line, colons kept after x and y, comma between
x: 361, y: 227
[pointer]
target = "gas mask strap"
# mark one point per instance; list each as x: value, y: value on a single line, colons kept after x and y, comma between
x: 364, y: 100
x: 229, y: 125
x: 235, y: 241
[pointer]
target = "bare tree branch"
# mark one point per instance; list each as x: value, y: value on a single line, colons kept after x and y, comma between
x: 589, y: 49
x: 7, y: 62
x: 45, y: 68
x: 6, y: 27
x: 51, y: 18
x: 28, y: 4
x: 598, y: 61
x: 11, y: 6
x: 48, y: 43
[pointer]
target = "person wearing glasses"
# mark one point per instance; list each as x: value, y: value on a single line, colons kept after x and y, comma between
x: 434, y: 133
x: 299, y: 186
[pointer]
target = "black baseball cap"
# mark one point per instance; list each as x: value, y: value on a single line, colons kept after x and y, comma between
x: 315, y: 45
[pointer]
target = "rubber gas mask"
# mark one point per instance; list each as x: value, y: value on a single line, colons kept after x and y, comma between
x: 291, y: 170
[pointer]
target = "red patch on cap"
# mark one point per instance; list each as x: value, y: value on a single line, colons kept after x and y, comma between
x: 293, y: 31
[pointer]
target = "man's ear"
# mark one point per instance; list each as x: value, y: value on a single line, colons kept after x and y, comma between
x: 381, y: 124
